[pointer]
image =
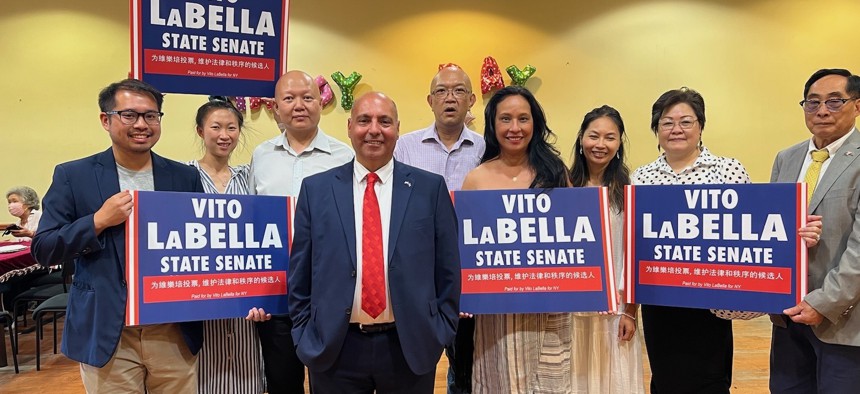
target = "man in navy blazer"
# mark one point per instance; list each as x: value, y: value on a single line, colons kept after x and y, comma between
x: 347, y: 348
x: 83, y: 222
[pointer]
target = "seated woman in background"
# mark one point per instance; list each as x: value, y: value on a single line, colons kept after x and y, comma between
x: 523, y: 352
x: 607, y: 350
x: 230, y: 360
x: 24, y: 205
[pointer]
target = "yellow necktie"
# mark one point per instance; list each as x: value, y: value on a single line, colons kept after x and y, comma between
x: 811, y: 178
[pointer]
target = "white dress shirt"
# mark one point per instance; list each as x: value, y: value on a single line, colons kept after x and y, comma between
x: 832, y: 148
x: 383, y: 190
x: 278, y: 170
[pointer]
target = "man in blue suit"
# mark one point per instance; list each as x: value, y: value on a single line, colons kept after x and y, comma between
x: 374, y: 278
x: 83, y: 222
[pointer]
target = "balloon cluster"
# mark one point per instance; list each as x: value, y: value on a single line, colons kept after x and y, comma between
x: 491, y: 76
x: 326, y: 94
x: 491, y: 79
x: 346, y: 85
x: 519, y: 77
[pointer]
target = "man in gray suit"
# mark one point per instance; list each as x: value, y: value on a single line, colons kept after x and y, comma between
x: 815, y: 346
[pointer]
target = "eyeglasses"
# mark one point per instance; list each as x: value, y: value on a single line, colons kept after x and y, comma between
x: 442, y: 92
x: 684, y: 124
x: 833, y: 104
x: 130, y: 117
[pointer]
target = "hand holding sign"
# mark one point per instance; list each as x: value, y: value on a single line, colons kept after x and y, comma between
x: 258, y: 315
x: 114, y: 211
x: 811, y: 233
x: 804, y: 313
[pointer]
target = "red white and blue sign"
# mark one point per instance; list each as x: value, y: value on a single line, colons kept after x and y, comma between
x: 195, y: 256
x: 731, y: 247
x: 535, y: 251
x: 220, y: 47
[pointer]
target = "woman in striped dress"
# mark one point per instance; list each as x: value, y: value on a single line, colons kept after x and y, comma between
x: 230, y: 361
x: 519, y: 352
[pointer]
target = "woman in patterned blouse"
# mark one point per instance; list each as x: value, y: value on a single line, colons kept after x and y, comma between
x: 690, y: 350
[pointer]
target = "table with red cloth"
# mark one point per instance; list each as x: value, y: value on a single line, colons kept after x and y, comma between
x: 12, y: 265
x: 18, y: 263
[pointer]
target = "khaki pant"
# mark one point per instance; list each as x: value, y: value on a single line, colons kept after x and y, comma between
x: 149, y: 359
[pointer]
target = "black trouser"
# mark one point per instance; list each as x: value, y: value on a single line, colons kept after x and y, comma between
x: 285, y: 373
x: 460, y: 355
x: 690, y: 350
x: 372, y: 361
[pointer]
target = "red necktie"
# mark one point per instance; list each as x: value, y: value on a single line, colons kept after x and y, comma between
x: 372, y: 275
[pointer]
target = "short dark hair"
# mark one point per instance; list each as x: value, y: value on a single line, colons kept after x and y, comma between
x: 617, y: 174
x: 676, y: 96
x: 852, y: 87
x: 107, y: 97
x: 213, y: 105
x: 543, y: 157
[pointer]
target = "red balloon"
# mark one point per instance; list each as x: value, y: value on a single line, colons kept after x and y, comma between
x: 491, y: 75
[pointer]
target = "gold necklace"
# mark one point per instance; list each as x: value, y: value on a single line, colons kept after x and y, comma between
x: 514, y: 178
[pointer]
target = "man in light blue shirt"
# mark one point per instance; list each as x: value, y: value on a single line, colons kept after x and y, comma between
x: 278, y: 167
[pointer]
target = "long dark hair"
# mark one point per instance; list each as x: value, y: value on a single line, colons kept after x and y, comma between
x: 617, y: 174
x: 543, y: 157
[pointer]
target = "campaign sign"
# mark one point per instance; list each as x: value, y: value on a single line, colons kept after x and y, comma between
x: 222, y: 47
x: 535, y: 251
x: 196, y: 256
x: 716, y: 246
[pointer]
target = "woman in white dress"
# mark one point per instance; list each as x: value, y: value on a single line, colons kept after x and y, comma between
x: 230, y: 361
x: 519, y: 352
x: 606, y: 348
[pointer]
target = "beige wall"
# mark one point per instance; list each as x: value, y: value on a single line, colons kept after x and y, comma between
x: 749, y: 59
